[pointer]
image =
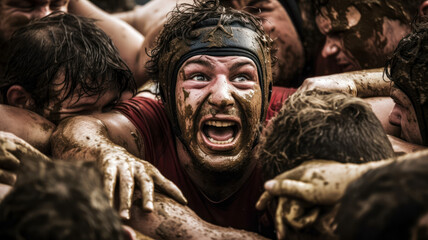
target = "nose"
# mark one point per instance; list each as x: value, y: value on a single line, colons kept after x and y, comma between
x: 221, y: 93
x: 331, y: 47
x: 41, y: 11
x: 395, y: 116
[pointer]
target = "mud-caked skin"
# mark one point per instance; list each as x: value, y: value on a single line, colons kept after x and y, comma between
x: 361, y: 34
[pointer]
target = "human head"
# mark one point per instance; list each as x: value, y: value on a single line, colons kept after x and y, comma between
x: 282, y: 22
x: 386, y: 202
x: 58, y: 200
x: 407, y: 69
x: 61, y: 61
x: 204, y: 31
x: 17, y: 13
x: 318, y: 124
x: 361, y: 34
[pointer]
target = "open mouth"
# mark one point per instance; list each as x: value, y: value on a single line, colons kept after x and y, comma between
x: 220, y: 134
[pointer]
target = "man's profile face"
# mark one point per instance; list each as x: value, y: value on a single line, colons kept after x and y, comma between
x: 357, y: 39
x: 404, y: 116
x: 218, y: 103
x: 17, y: 13
x: 61, y: 107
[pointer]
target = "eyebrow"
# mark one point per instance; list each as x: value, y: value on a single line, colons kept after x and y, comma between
x: 199, y: 61
x: 240, y: 64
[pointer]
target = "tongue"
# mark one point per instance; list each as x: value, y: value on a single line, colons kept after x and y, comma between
x: 219, y: 133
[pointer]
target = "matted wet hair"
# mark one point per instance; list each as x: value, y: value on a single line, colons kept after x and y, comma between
x: 386, y: 202
x: 408, y: 69
x: 404, y: 11
x: 63, y: 43
x: 319, y: 124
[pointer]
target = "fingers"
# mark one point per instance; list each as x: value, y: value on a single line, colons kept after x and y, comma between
x: 168, y: 187
x: 147, y: 188
x: 7, y: 177
x: 8, y: 161
x: 297, y: 216
x: 279, y: 224
x: 110, y: 174
x: 291, y: 188
x: 126, y: 183
x: 264, y: 199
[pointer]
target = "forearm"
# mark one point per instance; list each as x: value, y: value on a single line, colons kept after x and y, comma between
x: 171, y: 220
x: 363, y: 83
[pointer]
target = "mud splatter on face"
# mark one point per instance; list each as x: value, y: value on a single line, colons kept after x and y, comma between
x: 361, y: 30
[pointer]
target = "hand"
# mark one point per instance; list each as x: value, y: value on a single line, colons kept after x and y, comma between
x: 330, y: 83
x: 117, y: 163
x: 12, y: 150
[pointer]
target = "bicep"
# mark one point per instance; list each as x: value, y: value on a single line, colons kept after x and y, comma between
x: 123, y: 132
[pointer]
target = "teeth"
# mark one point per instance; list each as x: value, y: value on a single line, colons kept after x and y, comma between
x: 220, y: 123
x: 221, y: 142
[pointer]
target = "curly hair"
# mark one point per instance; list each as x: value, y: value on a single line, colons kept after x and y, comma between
x: 58, y: 200
x: 64, y: 44
x: 407, y: 69
x: 318, y: 124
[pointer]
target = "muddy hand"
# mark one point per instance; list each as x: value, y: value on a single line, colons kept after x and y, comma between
x: 12, y: 150
x: 124, y: 167
x: 316, y: 182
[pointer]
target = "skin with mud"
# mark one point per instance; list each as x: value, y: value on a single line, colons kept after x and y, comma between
x: 171, y: 220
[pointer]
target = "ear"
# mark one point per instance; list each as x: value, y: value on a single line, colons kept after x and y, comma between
x: 19, y: 97
x: 423, y: 8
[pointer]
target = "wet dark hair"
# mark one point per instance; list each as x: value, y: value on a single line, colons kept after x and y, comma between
x: 404, y: 11
x: 64, y: 44
x: 58, y: 200
x: 318, y: 124
x: 408, y: 69
x: 385, y: 203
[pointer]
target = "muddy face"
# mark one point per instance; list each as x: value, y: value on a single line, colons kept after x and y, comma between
x: 358, y: 35
x: 18, y: 13
x: 403, y: 115
x: 218, y: 110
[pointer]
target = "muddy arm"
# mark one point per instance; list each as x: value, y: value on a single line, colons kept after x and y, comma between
x: 364, y: 83
x: 171, y: 220
x: 96, y: 138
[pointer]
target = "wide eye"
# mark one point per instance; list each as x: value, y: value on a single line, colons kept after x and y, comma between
x: 241, y: 78
x: 199, y: 77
